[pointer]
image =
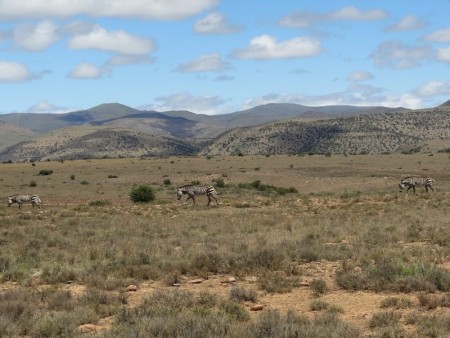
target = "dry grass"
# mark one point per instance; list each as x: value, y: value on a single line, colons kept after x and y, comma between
x: 347, y: 229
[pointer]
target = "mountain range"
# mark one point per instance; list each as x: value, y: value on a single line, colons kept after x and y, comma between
x: 116, y: 130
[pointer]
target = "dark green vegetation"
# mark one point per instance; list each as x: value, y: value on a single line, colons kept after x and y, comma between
x: 345, y: 255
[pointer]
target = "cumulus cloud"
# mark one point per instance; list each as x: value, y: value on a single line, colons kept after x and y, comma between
x: 266, y: 47
x: 397, y: 55
x: 87, y: 70
x: 35, y: 37
x: 209, y: 105
x: 407, y: 23
x: 433, y: 88
x: 360, y: 76
x: 443, y: 54
x: 205, y: 63
x: 442, y: 35
x: 113, y: 41
x: 145, y: 9
x: 215, y: 23
x: 356, y: 95
x: 44, y: 107
x: 355, y: 14
x: 301, y: 19
x: 11, y: 71
x: 121, y: 60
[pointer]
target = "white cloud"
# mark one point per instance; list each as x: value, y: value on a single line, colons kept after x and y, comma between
x: 360, y: 76
x: 43, y: 107
x: 36, y: 37
x: 355, y: 14
x: 408, y: 23
x: 442, y: 35
x: 397, y: 55
x: 355, y: 94
x: 266, y: 47
x: 215, y: 23
x: 116, y: 41
x: 11, y: 71
x: 300, y: 19
x: 305, y: 19
x: 209, y: 105
x: 86, y: 71
x: 205, y: 63
x: 433, y: 88
x: 145, y: 9
x: 121, y: 60
x: 443, y: 54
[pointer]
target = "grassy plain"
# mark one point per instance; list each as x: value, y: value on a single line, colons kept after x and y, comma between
x: 342, y: 253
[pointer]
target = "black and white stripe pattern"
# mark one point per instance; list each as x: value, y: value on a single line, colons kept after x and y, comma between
x: 21, y: 199
x: 192, y: 190
x: 413, y: 182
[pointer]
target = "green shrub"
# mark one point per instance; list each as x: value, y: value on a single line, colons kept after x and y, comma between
x: 142, y: 194
x: 45, y: 172
x: 32, y: 183
x: 99, y: 203
x: 72, y: 177
x: 112, y: 176
x: 167, y: 182
x: 241, y: 294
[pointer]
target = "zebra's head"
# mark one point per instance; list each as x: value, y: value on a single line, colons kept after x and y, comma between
x: 402, y: 186
x: 11, y: 200
x: 180, y: 192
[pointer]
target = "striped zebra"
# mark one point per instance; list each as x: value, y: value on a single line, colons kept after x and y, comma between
x: 413, y: 182
x: 21, y: 199
x: 192, y: 190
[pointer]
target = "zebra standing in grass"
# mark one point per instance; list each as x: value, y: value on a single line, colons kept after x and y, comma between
x: 192, y: 190
x: 413, y: 182
x: 21, y: 199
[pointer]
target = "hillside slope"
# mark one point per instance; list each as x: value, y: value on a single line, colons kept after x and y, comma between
x: 96, y: 142
x: 372, y: 134
x: 11, y: 134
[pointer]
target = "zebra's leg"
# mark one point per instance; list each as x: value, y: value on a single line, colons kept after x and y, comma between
x: 209, y: 200
x: 215, y: 198
x: 414, y: 189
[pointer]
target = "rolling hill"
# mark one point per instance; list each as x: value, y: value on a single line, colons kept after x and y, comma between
x: 404, y: 131
x: 96, y: 142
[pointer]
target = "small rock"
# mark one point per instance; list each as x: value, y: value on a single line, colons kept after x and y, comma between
x: 196, y: 281
x: 88, y: 328
x: 304, y: 283
x: 252, y: 279
x: 131, y: 288
x: 257, y: 307
x: 177, y: 285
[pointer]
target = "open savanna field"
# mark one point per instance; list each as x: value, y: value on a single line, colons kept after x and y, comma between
x: 299, y: 246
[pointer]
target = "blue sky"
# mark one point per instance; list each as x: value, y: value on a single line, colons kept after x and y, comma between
x: 221, y: 56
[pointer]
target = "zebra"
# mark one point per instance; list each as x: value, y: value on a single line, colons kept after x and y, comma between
x: 21, y: 199
x: 413, y: 182
x: 192, y: 190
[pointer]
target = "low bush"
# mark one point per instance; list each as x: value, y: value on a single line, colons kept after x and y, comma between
x: 142, y: 194
x: 45, y: 172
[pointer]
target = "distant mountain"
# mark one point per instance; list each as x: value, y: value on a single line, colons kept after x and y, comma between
x: 188, y: 124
